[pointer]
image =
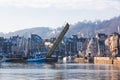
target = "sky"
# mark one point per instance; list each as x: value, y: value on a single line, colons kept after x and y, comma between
x: 22, y: 14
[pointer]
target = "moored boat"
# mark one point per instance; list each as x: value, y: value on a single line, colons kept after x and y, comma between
x: 36, y: 60
x: 38, y: 57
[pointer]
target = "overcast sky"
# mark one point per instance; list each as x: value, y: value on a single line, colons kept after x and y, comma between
x: 21, y: 14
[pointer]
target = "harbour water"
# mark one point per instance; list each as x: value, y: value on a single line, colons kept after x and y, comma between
x: 56, y: 71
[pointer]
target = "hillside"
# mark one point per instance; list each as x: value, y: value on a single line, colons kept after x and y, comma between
x: 88, y: 27
x: 85, y: 27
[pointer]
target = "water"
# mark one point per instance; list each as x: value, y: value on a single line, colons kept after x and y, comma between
x: 55, y: 71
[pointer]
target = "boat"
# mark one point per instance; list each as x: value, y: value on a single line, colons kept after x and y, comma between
x: 36, y: 60
x: 3, y: 58
x: 38, y: 57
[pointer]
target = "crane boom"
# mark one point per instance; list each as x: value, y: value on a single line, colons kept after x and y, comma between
x: 57, y: 41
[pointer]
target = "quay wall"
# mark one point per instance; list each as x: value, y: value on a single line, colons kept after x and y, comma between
x: 99, y: 60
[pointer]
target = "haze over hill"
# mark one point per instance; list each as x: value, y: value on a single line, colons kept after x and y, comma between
x: 85, y: 27
x: 88, y: 27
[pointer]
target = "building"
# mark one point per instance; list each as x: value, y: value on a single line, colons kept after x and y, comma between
x: 101, y: 37
x: 82, y: 46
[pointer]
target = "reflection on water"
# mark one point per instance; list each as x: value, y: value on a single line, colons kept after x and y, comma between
x: 71, y: 71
